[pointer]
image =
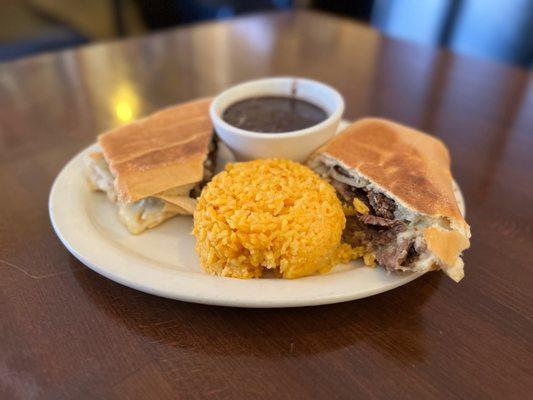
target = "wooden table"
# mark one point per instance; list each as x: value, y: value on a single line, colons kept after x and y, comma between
x: 68, y: 333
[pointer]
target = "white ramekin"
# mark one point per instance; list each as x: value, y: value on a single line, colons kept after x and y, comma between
x: 294, y: 145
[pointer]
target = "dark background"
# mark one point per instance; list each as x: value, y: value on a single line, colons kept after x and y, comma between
x: 495, y: 29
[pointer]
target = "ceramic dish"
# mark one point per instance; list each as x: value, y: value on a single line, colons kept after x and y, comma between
x: 162, y: 261
x: 293, y: 145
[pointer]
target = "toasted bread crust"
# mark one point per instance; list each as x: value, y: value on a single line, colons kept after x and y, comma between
x: 164, y: 150
x: 447, y: 245
x: 410, y: 165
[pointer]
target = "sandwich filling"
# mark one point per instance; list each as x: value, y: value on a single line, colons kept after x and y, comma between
x: 152, y: 210
x: 373, y: 219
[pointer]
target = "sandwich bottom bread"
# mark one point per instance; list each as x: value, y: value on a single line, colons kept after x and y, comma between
x: 397, y: 192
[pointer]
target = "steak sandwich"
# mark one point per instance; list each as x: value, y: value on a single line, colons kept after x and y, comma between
x: 398, y: 194
x: 154, y: 168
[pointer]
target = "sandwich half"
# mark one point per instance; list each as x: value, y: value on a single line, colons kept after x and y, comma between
x: 398, y: 194
x: 154, y: 168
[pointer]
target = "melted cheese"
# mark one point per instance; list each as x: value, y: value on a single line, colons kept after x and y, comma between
x: 142, y: 214
x: 100, y: 176
x: 145, y: 213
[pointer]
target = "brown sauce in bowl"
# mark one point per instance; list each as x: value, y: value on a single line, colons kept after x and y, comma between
x: 273, y: 114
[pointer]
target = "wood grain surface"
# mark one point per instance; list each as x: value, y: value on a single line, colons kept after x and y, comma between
x: 68, y: 333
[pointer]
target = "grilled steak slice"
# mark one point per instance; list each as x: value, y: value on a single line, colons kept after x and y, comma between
x: 378, y: 228
x: 209, y: 168
x: 381, y: 231
x: 379, y: 221
x: 393, y: 255
x: 382, y: 205
x: 347, y: 193
x: 413, y: 253
x: 355, y: 232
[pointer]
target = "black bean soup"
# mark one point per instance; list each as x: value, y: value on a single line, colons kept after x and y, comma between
x: 273, y: 114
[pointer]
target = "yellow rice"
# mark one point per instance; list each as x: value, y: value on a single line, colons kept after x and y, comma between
x: 269, y: 215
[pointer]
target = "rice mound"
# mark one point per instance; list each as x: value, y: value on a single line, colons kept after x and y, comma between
x: 269, y: 215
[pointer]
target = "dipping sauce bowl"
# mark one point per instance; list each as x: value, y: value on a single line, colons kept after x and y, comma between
x: 294, y: 145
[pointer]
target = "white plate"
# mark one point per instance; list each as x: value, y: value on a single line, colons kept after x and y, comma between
x: 162, y: 261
